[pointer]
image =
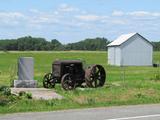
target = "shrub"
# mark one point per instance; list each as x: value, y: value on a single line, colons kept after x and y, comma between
x: 22, y: 93
x: 5, y: 90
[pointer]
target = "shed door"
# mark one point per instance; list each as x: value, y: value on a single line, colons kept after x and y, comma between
x: 114, y: 56
x: 111, y: 55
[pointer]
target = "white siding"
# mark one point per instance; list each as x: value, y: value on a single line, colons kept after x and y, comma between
x: 137, y: 52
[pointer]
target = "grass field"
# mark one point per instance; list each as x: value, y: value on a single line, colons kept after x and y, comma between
x: 140, y: 86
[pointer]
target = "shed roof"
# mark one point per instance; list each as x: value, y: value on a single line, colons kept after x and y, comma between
x: 123, y: 38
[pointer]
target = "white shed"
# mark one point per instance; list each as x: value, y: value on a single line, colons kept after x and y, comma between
x: 130, y: 50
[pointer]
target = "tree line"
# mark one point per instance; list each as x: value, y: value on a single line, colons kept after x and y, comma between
x: 39, y: 44
x: 156, y: 46
x: 29, y: 43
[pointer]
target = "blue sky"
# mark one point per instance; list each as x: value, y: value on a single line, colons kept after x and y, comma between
x: 74, y: 20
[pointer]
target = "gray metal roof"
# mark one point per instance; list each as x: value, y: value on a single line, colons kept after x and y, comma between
x: 123, y: 38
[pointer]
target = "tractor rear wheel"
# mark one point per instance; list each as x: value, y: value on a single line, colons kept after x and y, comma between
x: 95, y: 76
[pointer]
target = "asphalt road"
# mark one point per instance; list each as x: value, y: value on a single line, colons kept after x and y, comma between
x: 139, y: 112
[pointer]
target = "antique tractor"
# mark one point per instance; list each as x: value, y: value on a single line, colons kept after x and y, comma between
x: 70, y: 74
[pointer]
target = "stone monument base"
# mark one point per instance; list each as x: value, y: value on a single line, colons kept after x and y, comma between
x: 38, y: 93
x: 25, y: 83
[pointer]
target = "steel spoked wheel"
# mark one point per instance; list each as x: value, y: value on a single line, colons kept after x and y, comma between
x: 95, y: 76
x: 49, y: 81
x: 67, y: 83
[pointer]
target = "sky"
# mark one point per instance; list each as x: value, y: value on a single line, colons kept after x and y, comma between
x: 74, y: 20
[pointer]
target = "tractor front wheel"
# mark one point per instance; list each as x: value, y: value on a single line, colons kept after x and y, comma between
x: 49, y: 81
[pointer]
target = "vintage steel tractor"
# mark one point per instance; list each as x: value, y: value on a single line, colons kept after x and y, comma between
x: 70, y: 74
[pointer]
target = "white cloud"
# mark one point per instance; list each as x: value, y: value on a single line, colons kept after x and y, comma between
x: 90, y: 17
x: 50, y: 18
x: 67, y: 8
x: 136, y: 13
x: 11, y: 19
x: 119, y: 22
x: 34, y: 10
x: 140, y: 13
x: 117, y: 13
x: 12, y: 15
x: 38, y: 19
x: 43, y: 19
x: 156, y: 14
x: 56, y: 12
x: 144, y: 14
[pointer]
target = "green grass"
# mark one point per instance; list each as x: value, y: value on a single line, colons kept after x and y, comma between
x: 139, y: 86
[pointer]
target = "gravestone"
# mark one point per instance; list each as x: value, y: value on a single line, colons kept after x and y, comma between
x: 25, y: 73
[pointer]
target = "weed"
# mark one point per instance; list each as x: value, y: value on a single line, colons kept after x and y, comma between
x: 12, y: 74
x: 4, y: 100
x: 28, y: 95
x: 157, y: 77
x: 91, y: 101
x: 50, y: 103
x: 140, y: 95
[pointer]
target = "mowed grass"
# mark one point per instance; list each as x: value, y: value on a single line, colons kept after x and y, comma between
x: 124, y: 86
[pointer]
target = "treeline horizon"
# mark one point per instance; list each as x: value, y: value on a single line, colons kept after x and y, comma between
x: 29, y: 43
